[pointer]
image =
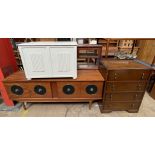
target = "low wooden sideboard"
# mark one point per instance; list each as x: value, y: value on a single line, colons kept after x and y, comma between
x: 125, y: 84
x: 88, y: 87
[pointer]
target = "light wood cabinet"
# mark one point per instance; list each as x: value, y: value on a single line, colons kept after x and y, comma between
x: 146, y: 52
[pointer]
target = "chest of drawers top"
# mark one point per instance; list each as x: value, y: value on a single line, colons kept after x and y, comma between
x: 124, y: 70
x: 124, y: 64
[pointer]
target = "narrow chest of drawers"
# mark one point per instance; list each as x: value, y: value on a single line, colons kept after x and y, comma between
x: 125, y: 84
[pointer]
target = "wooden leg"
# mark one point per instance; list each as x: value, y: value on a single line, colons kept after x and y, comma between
x: 102, y: 110
x: 25, y: 105
x: 90, y: 104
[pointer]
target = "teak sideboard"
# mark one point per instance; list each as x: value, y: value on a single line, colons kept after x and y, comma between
x: 88, y: 87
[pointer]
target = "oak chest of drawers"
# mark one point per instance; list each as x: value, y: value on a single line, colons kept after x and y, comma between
x: 125, y: 84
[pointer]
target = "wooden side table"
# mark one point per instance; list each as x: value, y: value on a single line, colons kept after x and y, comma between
x: 93, y: 52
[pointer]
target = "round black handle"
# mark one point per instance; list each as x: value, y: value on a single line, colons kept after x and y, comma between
x: 17, y: 90
x: 91, y: 89
x: 68, y: 89
x: 41, y: 90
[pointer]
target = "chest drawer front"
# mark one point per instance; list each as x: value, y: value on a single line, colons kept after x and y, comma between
x: 125, y: 86
x: 123, y: 96
x: 128, y: 75
x: 121, y: 106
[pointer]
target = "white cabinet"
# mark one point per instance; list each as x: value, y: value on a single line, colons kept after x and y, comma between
x: 63, y: 61
x: 49, y: 60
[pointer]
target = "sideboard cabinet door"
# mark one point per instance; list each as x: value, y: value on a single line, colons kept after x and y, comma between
x: 36, y: 61
x: 64, y: 62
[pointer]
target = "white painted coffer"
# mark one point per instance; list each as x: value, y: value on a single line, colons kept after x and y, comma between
x: 49, y: 59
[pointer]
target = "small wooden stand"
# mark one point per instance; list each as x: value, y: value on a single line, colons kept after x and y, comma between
x: 91, y: 56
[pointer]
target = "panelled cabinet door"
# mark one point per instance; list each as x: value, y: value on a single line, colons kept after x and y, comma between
x: 37, y: 60
x: 63, y: 61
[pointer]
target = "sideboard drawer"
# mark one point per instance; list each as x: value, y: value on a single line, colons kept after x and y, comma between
x: 17, y: 90
x: 68, y: 89
x: 125, y: 86
x: 80, y: 89
x: 91, y: 90
x: 128, y: 75
x: 123, y: 96
x: 40, y: 89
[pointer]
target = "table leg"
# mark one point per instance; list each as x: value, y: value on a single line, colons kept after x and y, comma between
x: 90, y: 104
x: 25, y: 105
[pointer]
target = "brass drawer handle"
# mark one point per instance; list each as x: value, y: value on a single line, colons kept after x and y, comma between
x: 136, y: 96
x: 133, y: 105
x: 110, y: 96
x: 115, y: 76
x: 112, y: 87
x: 142, y: 77
x: 139, y: 86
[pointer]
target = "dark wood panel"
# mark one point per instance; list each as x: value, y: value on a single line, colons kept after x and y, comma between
x: 128, y: 75
x: 125, y: 86
x: 118, y: 106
